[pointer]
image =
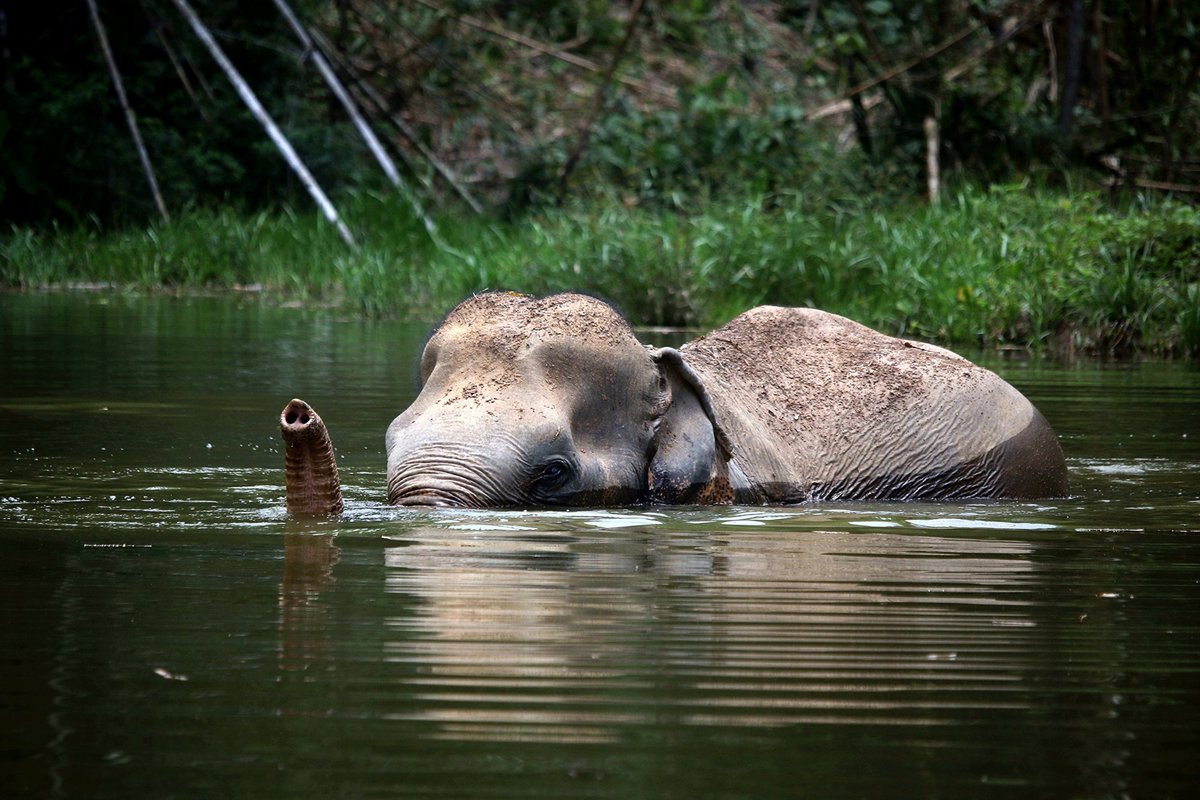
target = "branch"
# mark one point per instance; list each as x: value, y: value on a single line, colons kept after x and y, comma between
x: 1146, y: 183
x: 843, y: 105
x: 665, y: 93
x: 899, y: 69
x: 585, y: 130
x: 405, y: 129
x: 360, y: 124
x: 130, y: 117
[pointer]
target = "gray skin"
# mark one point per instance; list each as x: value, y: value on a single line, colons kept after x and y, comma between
x: 553, y: 401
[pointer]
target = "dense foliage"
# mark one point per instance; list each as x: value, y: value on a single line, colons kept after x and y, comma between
x: 707, y: 97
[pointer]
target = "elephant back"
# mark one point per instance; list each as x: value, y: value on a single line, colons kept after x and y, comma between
x: 818, y: 406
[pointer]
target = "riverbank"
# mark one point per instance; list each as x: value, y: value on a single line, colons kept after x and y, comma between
x: 1009, y: 266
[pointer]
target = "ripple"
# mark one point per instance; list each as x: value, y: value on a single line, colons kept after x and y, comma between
x: 985, y: 524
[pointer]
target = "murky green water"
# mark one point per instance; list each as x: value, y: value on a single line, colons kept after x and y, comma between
x: 168, y: 633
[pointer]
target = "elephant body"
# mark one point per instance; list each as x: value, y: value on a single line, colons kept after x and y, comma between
x: 818, y: 407
x: 553, y: 401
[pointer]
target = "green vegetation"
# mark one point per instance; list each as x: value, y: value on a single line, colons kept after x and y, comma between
x: 1013, y: 264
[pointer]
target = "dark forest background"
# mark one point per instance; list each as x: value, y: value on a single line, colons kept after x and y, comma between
x: 661, y: 102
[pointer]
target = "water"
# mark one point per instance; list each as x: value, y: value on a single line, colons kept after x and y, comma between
x: 169, y: 633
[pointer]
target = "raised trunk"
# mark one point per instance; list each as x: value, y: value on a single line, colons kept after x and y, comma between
x: 313, y: 487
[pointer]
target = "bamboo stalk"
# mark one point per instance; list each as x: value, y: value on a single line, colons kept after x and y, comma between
x: 276, y: 135
x: 360, y: 124
x: 339, y: 91
x: 130, y: 117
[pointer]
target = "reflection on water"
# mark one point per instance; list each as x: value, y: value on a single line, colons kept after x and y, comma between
x: 763, y: 629
x: 169, y: 632
x: 305, y: 629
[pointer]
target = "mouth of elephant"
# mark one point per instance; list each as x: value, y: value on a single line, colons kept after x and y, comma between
x: 432, y: 498
x: 429, y: 497
x: 425, y: 498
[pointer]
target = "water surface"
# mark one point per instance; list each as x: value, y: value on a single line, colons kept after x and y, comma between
x: 168, y: 632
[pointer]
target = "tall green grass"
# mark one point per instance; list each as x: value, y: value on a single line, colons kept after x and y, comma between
x: 1011, y: 265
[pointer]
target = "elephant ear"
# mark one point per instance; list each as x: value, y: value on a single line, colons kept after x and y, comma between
x: 690, y: 444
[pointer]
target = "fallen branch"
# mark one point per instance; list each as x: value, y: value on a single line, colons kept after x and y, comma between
x: 1147, y: 183
x: 251, y: 100
x: 130, y: 117
x: 829, y: 109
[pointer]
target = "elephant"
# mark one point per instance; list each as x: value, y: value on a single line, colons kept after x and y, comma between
x: 552, y: 401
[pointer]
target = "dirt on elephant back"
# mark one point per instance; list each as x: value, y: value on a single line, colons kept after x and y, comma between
x: 810, y: 372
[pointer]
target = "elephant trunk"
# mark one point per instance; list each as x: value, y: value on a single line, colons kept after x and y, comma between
x: 313, y: 487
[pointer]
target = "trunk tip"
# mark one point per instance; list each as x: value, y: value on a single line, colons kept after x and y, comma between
x: 298, y: 415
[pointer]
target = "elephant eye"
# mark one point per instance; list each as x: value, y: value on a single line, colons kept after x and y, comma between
x: 553, y: 475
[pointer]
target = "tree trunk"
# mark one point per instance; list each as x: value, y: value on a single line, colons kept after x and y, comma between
x: 932, y: 167
x: 1072, y: 66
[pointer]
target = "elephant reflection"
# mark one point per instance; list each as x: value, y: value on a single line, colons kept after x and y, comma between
x: 577, y: 639
x: 586, y: 636
x: 307, y: 631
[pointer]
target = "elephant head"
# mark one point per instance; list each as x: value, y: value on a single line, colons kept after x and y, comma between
x: 549, y: 401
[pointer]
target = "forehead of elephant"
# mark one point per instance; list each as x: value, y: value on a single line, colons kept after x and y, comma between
x: 496, y: 331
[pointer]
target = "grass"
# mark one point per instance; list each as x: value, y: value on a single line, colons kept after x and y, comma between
x: 1018, y: 265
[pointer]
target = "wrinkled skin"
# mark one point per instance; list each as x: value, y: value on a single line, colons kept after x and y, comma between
x: 553, y: 401
x: 313, y: 485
